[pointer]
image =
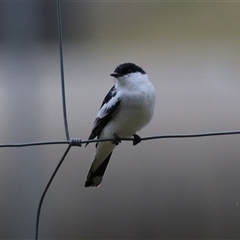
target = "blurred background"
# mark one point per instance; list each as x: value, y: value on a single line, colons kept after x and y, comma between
x: 169, y: 188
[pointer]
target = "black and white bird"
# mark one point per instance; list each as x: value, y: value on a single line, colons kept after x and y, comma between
x: 127, y: 108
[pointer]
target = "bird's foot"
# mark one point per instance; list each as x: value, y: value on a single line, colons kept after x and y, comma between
x: 136, y: 139
x: 116, y: 139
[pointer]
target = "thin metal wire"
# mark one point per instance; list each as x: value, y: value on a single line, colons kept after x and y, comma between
x: 79, y: 142
x: 73, y: 142
x: 194, y: 135
x: 46, y: 189
x: 32, y: 144
x: 62, y: 69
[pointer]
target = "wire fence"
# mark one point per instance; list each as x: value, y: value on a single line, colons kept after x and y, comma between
x: 70, y: 142
x: 78, y: 141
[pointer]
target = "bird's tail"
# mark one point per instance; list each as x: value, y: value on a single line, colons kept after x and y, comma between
x: 94, y: 178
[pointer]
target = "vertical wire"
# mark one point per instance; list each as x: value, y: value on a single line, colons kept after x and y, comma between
x: 46, y: 189
x: 62, y: 69
x: 64, y: 117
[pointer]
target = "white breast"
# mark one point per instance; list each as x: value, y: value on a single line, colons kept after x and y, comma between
x: 138, y: 98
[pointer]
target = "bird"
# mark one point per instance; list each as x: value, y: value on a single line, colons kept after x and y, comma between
x: 127, y: 108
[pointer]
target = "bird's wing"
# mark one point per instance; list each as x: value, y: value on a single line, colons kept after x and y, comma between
x: 109, y: 106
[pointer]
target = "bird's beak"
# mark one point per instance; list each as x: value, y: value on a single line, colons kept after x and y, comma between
x: 115, y: 74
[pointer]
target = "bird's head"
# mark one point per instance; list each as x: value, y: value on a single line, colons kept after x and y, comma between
x: 127, y: 69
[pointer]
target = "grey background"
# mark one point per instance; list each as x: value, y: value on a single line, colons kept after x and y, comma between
x: 173, y: 188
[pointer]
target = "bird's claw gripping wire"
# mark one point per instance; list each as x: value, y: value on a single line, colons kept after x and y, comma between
x: 136, y: 139
x: 116, y: 139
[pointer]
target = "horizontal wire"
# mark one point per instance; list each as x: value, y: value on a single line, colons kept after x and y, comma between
x: 79, y: 142
x: 29, y: 144
x: 193, y: 135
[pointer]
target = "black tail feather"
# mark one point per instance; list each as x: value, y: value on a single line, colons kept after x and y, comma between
x: 95, y: 178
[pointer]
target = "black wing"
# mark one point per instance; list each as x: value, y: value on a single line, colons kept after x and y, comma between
x: 105, y: 113
x: 112, y: 93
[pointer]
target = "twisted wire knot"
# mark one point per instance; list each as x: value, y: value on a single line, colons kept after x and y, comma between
x: 76, y: 142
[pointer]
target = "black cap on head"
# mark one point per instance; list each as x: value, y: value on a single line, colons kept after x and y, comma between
x: 125, y: 69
